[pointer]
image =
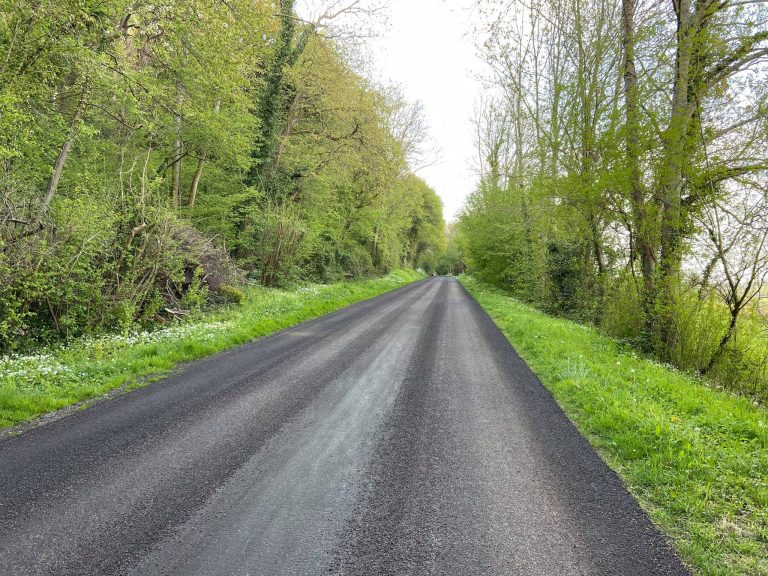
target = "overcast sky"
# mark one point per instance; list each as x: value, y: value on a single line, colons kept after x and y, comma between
x: 427, y: 49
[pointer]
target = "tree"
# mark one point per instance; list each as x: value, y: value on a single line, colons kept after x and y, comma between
x: 736, y: 228
x: 618, y: 153
x: 151, y: 154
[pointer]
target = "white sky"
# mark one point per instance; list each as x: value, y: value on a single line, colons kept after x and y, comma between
x: 428, y: 51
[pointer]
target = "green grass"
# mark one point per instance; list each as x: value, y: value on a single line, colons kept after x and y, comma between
x: 35, y: 384
x: 696, y: 458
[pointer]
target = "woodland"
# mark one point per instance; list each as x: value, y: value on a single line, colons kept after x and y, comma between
x: 623, y: 153
x: 181, y: 177
x: 156, y: 158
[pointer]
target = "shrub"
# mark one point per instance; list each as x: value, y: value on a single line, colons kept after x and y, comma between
x: 230, y: 294
x: 622, y: 310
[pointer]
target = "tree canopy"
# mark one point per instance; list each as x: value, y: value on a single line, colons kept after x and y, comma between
x: 157, y: 155
x: 624, y: 174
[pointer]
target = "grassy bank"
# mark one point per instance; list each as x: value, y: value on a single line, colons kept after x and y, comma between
x: 695, y: 457
x: 32, y: 385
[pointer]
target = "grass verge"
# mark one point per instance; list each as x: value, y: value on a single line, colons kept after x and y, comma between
x: 54, y: 378
x: 696, y: 458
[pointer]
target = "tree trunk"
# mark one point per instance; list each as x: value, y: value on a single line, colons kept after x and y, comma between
x: 290, y: 124
x: 643, y: 225
x: 199, y: 170
x: 195, y: 182
x: 58, y: 168
x: 724, y: 341
x: 599, y: 255
x: 176, y: 184
x: 672, y: 179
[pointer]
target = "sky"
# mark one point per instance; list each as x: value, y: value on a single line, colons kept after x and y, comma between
x: 427, y: 49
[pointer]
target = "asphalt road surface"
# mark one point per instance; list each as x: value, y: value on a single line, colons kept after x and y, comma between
x: 401, y: 435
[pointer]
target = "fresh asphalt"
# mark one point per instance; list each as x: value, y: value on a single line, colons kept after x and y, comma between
x: 402, y: 435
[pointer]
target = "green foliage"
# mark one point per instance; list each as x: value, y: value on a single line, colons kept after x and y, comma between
x: 338, y: 199
x: 616, y: 192
x: 451, y: 261
x: 566, y: 276
x: 696, y: 458
x: 497, y: 242
x: 231, y: 295
x: 154, y: 153
x: 623, y: 313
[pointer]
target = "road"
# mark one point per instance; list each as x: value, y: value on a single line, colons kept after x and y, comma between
x: 401, y: 435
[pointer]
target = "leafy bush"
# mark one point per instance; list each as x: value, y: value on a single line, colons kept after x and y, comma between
x: 230, y: 294
x: 96, y: 271
x: 622, y: 313
x: 700, y: 323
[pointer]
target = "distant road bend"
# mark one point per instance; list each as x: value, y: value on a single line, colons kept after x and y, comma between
x: 402, y: 435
